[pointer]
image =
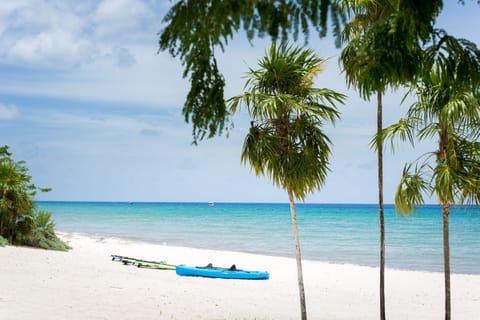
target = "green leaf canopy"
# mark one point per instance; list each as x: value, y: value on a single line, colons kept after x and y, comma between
x: 384, y: 42
x: 195, y: 28
x: 286, y: 141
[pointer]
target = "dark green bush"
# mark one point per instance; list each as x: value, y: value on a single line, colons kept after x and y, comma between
x: 42, y: 234
x: 20, y: 222
x: 3, y: 242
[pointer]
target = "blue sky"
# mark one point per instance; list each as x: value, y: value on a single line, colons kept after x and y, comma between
x: 94, y: 110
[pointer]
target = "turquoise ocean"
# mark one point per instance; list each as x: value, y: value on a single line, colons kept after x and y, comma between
x: 337, y: 233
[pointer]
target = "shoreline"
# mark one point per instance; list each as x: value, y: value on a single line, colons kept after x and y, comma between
x: 84, y: 283
x: 63, y: 234
x: 335, y: 234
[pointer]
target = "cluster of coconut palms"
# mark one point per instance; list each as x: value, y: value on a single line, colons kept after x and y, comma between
x: 385, y: 44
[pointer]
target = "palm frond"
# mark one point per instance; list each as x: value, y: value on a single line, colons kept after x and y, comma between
x: 467, y: 156
x: 411, y: 189
x: 444, y: 181
x: 404, y: 130
x: 285, y: 141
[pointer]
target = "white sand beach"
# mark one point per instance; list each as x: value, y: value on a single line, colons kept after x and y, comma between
x: 85, y: 284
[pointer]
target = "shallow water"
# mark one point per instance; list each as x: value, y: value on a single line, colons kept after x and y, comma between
x: 339, y: 233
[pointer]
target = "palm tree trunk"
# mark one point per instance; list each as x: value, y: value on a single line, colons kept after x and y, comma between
x: 1, y: 224
x: 380, y: 204
x: 441, y: 155
x: 14, y: 227
x: 446, y: 260
x: 301, y: 290
x: 2, y: 215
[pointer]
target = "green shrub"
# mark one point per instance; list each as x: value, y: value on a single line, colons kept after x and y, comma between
x: 26, y: 223
x: 3, y: 242
x: 17, y: 207
x: 40, y: 240
x: 43, y: 234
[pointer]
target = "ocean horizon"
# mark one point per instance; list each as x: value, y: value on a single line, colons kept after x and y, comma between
x: 335, y: 233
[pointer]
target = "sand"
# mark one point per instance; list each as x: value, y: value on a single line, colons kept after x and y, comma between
x: 85, y: 284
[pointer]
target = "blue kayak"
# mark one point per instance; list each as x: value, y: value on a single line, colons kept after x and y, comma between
x: 224, y: 273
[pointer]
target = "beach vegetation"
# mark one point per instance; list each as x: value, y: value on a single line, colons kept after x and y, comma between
x: 20, y: 221
x: 196, y: 31
x: 383, y: 40
x: 286, y: 141
x: 3, y: 241
x: 41, y: 232
x: 383, y: 49
x: 447, y: 110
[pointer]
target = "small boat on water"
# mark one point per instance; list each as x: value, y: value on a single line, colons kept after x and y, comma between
x: 210, y: 271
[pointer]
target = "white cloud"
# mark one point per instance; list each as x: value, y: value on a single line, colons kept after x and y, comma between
x: 120, y: 17
x: 123, y: 57
x: 65, y: 34
x: 44, y: 34
x: 52, y: 48
x: 150, y: 80
x: 8, y: 112
x: 105, y: 123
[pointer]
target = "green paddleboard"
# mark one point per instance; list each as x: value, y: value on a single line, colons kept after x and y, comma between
x: 143, y: 263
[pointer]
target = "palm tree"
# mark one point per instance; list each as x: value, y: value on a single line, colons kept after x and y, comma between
x: 448, y: 108
x: 285, y: 141
x: 20, y: 221
x: 354, y: 61
x: 16, y: 193
x: 383, y: 50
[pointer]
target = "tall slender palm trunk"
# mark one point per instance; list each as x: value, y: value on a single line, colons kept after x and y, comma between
x: 446, y: 259
x: 13, y: 231
x: 444, y: 138
x: 301, y: 290
x: 380, y: 204
x: 2, y: 215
